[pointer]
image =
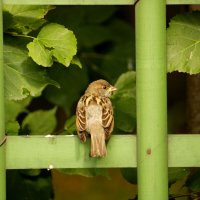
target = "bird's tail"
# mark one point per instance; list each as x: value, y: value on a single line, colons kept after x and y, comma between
x: 98, y: 145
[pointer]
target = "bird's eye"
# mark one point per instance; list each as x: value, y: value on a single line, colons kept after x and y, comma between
x: 104, y: 87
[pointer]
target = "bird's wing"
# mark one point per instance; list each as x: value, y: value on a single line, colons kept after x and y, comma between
x: 81, y: 119
x: 107, y: 117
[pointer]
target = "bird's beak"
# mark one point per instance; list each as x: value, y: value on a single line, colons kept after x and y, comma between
x: 112, y: 89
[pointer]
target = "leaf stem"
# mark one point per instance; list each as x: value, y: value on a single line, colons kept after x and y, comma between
x: 20, y: 35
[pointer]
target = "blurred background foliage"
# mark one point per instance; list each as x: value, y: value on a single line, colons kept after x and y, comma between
x: 47, y: 85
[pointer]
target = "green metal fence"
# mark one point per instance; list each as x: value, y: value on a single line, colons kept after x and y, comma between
x: 152, y: 151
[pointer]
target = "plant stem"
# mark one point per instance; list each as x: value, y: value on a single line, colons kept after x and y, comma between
x: 20, y: 35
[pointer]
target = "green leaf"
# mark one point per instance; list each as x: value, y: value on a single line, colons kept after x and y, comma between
x: 54, y: 41
x: 118, y: 61
x: 130, y: 174
x: 76, y: 61
x: 13, y: 108
x: 40, y: 122
x: 73, y: 81
x: 93, y: 14
x: 124, y: 102
x: 22, y: 76
x: 39, y: 53
x: 87, y: 172
x: 92, y: 35
x: 123, y: 34
x: 116, y: 55
x: 176, y: 173
x: 193, y: 182
x: 12, y: 128
x: 70, y: 125
x: 7, y: 20
x: 26, y: 18
x: 25, y: 187
x: 78, y: 15
x: 183, y: 43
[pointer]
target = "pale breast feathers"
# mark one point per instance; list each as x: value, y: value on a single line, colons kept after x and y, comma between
x: 107, y: 119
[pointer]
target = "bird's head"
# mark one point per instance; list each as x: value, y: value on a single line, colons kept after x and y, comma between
x: 101, y: 87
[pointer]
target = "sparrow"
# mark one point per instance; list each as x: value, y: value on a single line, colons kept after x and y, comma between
x: 94, y: 116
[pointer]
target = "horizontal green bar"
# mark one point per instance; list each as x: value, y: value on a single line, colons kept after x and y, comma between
x: 183, y: 1
x: 71, y: 2
x: 91, y: 2
x: 24, y: 152
x: 67, y: 152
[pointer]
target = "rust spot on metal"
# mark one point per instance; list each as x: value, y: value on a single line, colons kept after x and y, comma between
x: 148, y: 151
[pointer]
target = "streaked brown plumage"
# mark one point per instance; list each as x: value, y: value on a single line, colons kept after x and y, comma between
x: 94, y: 115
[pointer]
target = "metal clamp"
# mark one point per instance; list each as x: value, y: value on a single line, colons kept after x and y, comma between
x: 3, y: 140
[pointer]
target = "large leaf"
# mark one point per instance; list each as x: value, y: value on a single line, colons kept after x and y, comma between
x: 54, y: 42
x: 40, y: 54
x: 124, y: 102
x: 22, y: 76
x: 25, y: 18
x: 183, y: 43
x: 40, y: 122
x: 12, y: 110
x: 176, y: 173
x: 88, y: 22
x: 12, y: 128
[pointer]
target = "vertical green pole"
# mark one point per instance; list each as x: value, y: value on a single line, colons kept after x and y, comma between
x: 151, y: 100
x: 2, y: 131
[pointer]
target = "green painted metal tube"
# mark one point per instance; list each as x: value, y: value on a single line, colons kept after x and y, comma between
x: 91, y: 2
x: 2, y: 130
x: 72, y: 2
x: 66, y: 151
x: 151, y: 99
x: 25, y: 152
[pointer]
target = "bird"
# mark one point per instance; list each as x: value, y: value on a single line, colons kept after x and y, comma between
x: 94, y: 116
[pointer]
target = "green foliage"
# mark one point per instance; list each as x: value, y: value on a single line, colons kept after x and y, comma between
x: 176, y: 173
x: 23, y: 186
x: 124, y: 102
x: 130, y: 174
x: 193, y: 182
x: 54, y: 41
x: 106, y: 49
x: 12, y: 128
x: 23, y: 77
x: 24, y: 19
x: 13, y: 108
x: 72, y: 81
x: 183, y: 43
x: 40, y: 122
x: 70, y: 125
